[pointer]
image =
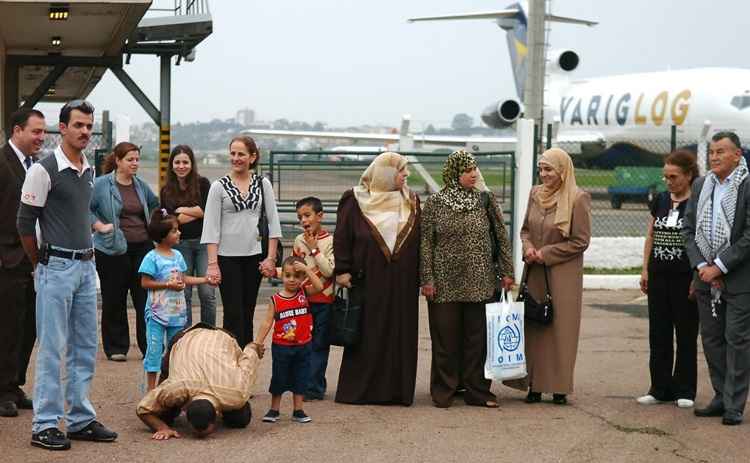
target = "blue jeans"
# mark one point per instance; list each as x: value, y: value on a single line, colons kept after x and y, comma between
x: 320, y: 350
x: 196, y: 259
x: 65, y: 322
x: 155, y: 334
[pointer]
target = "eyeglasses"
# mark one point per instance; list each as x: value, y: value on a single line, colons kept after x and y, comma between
x: 79, y: 104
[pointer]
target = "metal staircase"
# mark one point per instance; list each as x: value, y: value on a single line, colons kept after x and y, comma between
x: 172, y: 27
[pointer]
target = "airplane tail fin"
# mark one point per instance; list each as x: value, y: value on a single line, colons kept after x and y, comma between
x: 513, y: 20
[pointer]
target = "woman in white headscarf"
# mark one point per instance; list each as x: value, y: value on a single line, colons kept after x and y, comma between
x: 376, y: 248
x: 555, y: 233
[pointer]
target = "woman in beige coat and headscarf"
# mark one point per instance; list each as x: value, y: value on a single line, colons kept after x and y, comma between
x: 555, y: 233
x: 376, y: 247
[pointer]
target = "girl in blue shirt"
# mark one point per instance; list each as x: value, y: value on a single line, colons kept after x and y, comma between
x: 162, y: 276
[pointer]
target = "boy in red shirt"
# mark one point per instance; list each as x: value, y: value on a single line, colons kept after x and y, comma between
x: 315, y: 246
x: 290, y: 316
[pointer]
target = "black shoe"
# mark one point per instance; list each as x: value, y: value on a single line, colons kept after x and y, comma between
x: 731, y: 418
x: 50, y: 439
x: 711, y: 410
x: 8, y: 408
x: 95, y: 432
x: 559, y: 399
x: 271, y: 416
x: 300, y: 417
x: 533, y: 397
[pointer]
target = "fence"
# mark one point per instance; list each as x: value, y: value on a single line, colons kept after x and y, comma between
x: 622, y: 178
x: 328, y: 174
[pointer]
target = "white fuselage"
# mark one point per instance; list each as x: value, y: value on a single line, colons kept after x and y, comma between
x: 643, y: 107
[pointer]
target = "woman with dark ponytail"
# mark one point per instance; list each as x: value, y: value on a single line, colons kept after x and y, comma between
x: 120, y: 208
x: 184, y: 196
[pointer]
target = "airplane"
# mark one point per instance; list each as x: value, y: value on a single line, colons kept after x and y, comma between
x: 629, y: 108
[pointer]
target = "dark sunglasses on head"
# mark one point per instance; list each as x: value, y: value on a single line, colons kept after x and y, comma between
x: 79, y: 104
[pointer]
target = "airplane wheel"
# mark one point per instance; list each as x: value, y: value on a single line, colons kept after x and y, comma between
x: 616, y: 202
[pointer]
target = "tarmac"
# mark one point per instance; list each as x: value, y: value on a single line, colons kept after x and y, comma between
x: 602, y: 422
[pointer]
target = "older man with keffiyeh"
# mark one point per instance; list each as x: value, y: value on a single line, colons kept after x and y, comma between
x: 717, y: 235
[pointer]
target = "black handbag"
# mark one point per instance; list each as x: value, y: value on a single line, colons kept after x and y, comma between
x: 346, y: 318
x: 538, y: 312
x: 263, y: 231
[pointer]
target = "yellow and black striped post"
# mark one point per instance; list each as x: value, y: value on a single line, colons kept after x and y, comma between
x: 165, y: 125
x: 164, y: 147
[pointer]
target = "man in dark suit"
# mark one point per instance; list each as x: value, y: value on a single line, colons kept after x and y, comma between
x: 717, y: 238
x: 17, y: 317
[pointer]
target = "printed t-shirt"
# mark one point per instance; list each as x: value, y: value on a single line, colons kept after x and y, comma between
x: 165, y: 306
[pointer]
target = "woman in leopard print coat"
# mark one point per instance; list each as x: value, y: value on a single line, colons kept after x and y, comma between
x: 458, y: 277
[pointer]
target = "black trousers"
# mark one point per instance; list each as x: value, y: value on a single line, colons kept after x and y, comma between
x: 669, y: 311
x: 17, y: 329
x: 240, y: 280
x: 118, y: 275
x: 459, y: 347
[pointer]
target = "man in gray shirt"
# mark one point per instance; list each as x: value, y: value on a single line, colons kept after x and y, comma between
x: 56, y: 192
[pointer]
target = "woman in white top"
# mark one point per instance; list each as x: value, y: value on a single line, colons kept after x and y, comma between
x: 230, y: 229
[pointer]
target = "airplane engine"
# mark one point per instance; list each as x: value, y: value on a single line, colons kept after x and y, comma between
x: 564, y: 60
x: 502, y: 114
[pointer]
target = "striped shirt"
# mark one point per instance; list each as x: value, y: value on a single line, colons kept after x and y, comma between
x: 205, y: 364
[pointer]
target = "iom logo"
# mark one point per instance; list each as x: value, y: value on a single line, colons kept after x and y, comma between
x: 509, y: 338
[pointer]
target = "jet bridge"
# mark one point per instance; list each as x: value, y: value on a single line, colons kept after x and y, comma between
x: 56, y: 52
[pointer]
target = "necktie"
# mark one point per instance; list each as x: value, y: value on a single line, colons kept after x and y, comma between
x: 28, y: 161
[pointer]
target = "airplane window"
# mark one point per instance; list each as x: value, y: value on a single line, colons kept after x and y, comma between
x: 741, y: 101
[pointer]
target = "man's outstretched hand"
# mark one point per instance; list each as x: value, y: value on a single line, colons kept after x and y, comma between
x: 165, y: 434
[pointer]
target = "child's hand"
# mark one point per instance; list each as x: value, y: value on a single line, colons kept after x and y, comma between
x: 311, y: 240
x: 175, y: 284
x: 300, y: 267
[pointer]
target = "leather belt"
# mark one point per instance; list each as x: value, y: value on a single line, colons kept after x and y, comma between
x: 75, y: 255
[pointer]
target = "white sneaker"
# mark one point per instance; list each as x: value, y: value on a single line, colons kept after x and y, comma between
x: 685, y: 403
x: 647, y: 399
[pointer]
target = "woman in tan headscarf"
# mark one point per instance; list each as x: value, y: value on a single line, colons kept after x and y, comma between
x: 376, y: 248
x: 555, y: 233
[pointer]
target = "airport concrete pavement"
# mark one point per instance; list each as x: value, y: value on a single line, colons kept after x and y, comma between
x: 603, y: 423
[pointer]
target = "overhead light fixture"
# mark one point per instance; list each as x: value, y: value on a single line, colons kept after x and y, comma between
x: 51, y: 91
x: 55, y: 41
x: 59, y: 12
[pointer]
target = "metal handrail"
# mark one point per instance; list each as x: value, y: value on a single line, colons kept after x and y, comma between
x: 185, y: 8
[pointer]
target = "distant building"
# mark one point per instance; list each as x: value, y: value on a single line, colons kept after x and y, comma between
x: 245, y: 117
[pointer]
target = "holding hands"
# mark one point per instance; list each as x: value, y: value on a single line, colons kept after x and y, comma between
x: 268, y: 267
x: 213, y: 274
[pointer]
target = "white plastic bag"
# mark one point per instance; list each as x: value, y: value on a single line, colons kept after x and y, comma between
x: 506, y: 353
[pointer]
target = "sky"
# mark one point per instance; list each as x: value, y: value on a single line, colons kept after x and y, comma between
x: 352, y: 63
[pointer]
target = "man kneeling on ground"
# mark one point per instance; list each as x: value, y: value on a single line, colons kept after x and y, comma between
x: 207, y: 374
